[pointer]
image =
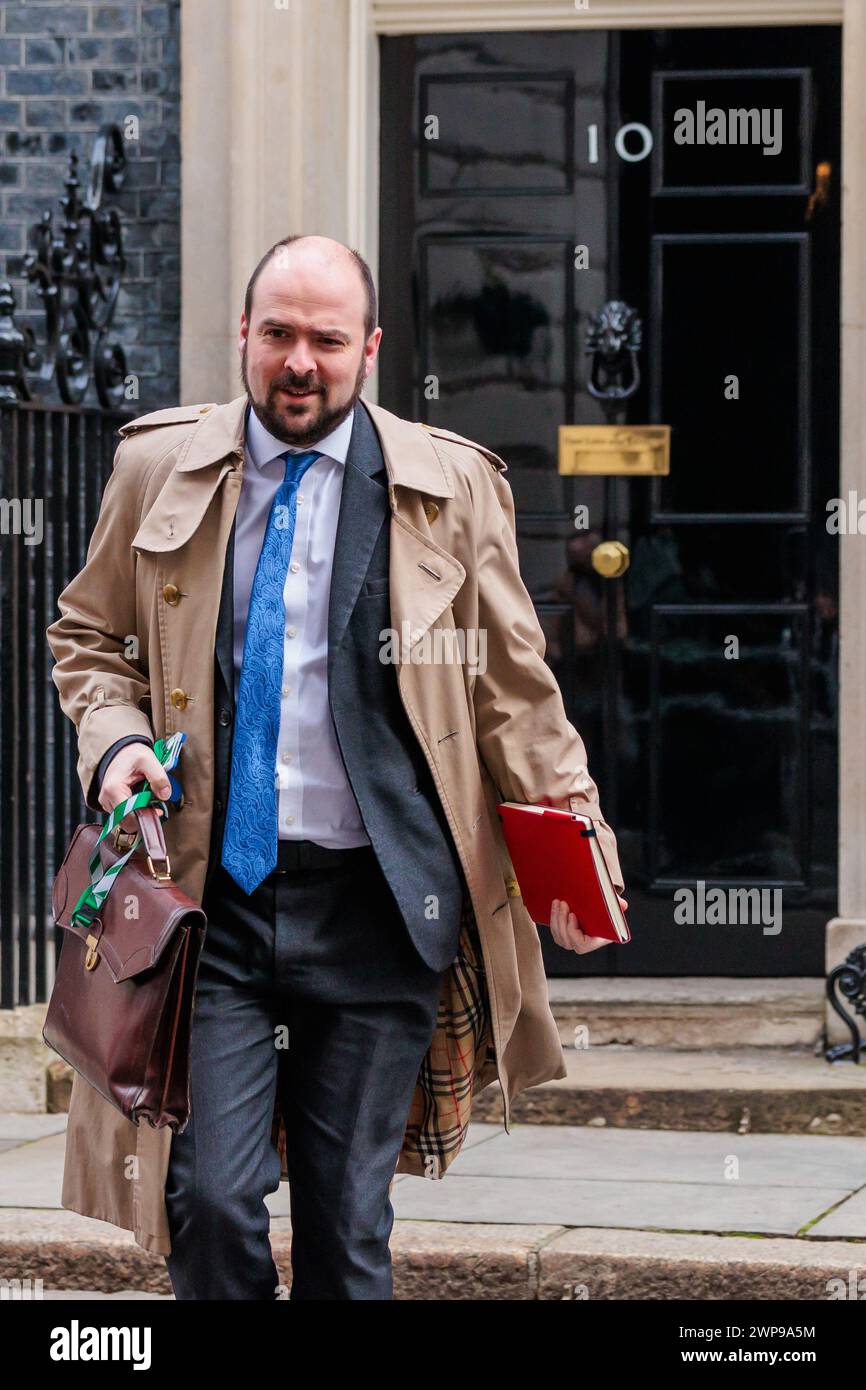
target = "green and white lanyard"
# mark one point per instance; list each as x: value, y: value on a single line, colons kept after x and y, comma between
x: 102, y: 880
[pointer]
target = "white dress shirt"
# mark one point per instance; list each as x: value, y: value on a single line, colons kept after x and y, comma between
x: 315, y: 800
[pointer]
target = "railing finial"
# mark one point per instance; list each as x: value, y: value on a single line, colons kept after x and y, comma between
x: 76, y: 270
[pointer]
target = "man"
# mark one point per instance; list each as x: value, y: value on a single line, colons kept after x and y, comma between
x: 339, y: 820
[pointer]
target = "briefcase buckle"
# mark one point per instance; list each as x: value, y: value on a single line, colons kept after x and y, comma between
x: 91, y: 956
x: 123, y: 839
x: 163, y: 874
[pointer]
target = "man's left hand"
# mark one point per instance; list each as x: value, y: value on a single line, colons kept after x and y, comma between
x: 566, y: 933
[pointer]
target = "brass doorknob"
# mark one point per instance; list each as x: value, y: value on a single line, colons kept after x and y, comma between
x: 610, y: 559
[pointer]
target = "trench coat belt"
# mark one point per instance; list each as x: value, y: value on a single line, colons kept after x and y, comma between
x: 306, y: 854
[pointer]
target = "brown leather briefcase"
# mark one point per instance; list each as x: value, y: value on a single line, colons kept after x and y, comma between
x: 120, y: 1012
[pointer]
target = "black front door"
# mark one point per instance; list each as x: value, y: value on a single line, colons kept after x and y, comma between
x: 527, y: 181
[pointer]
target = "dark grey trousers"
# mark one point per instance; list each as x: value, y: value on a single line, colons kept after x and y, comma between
x: 318, y: 954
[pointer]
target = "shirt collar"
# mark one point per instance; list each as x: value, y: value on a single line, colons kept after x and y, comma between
x: 262, y: 447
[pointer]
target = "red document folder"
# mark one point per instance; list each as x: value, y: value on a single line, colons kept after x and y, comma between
x: 556, y: 854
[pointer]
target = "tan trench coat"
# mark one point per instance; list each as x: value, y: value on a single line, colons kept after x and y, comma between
x: 498, y: 734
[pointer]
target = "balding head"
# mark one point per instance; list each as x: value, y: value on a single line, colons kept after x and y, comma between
x: 324, y: 259
x: 308, y: 337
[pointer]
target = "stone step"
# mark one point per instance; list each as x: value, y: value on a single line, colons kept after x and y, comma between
x: 600, y: 1012
x: 689, y: 1012
x: 742, y: 1090
x: 467, y: 1262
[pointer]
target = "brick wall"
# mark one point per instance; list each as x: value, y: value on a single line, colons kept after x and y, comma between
x: 65, y: 69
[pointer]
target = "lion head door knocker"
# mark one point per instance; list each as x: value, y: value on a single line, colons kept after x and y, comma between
x: 613, y: 340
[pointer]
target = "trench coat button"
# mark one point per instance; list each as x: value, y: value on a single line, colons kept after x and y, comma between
x: 225, y: 716
x: 179, y: 699
x: 431, y: 510
x: 171, y: 593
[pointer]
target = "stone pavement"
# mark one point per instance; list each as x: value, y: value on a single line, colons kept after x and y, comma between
x: 547, y: 1211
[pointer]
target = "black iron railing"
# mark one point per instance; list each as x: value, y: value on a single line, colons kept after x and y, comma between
x: 55, y: 459
x: 54, y: 462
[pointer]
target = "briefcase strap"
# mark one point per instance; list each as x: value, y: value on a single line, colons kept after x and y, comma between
x: 143, y: 804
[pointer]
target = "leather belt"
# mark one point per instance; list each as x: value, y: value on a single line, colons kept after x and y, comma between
x: 306, y: 854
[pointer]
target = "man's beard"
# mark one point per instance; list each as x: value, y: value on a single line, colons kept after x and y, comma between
x: 323, y: 423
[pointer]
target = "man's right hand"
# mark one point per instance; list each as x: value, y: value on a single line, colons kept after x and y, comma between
x: 128, y: 767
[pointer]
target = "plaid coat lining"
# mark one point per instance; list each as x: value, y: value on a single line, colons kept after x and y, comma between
x: 459, y: 1061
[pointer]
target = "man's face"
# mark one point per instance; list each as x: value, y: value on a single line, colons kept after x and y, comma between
x: 304, y: 358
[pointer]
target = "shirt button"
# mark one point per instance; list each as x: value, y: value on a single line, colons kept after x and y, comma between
x: 287, y: 757
x: 290, y: 820
x: 291, y: 631
x: 287, y: 690
x: 295, y: 567
x: 300, y: 497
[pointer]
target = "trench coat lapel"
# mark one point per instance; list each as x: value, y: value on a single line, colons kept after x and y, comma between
x: 180, y: 508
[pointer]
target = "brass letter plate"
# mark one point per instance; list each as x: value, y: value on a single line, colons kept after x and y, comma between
x: 623, y: 449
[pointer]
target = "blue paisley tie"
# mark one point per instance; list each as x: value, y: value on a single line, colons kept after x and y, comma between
x: 249, y: 850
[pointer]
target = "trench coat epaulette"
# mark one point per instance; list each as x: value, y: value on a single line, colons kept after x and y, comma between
x: 174, y: 415
x: 495, y: 460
